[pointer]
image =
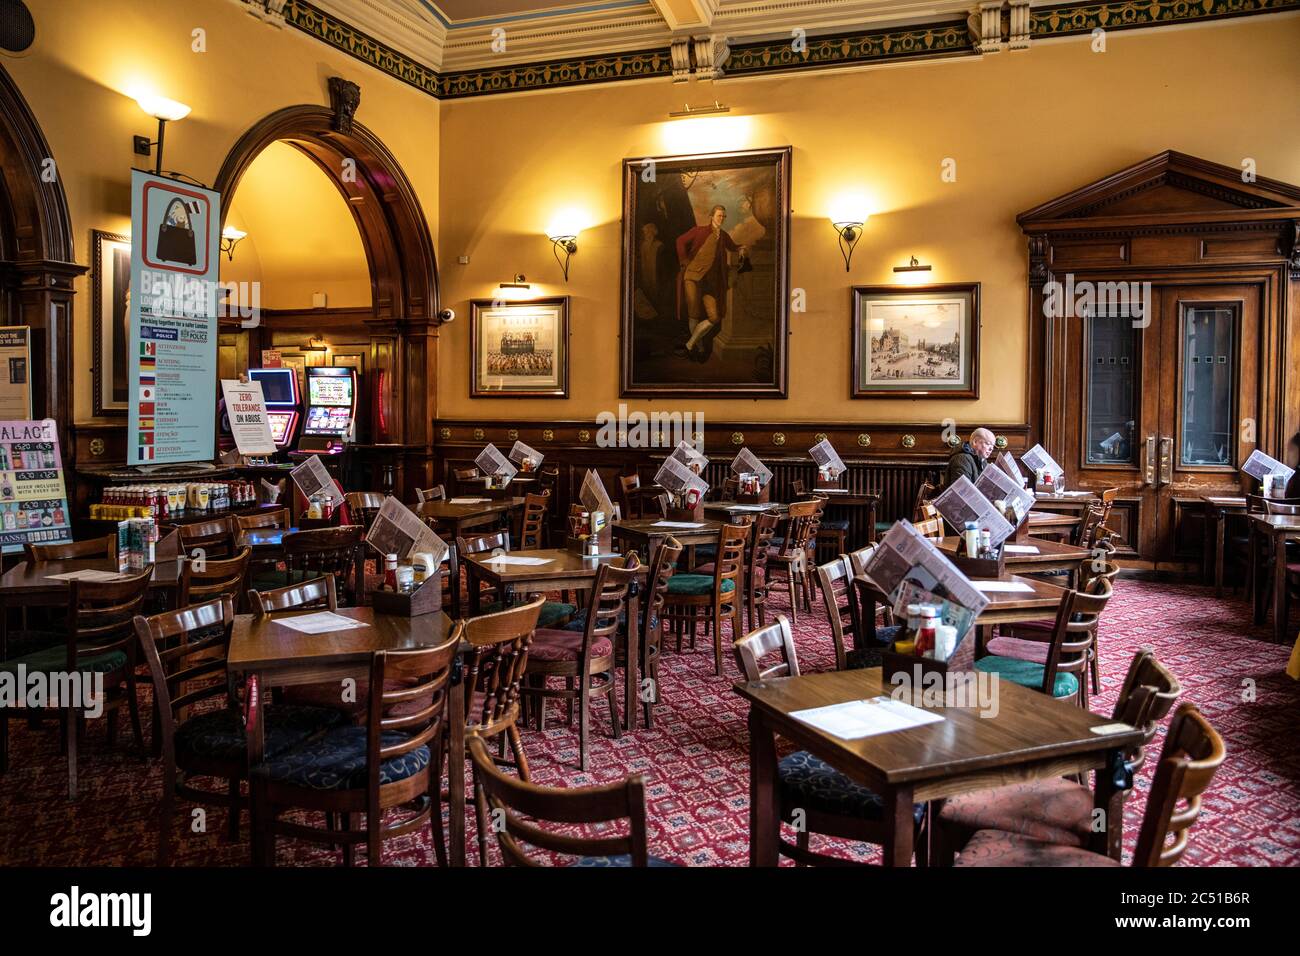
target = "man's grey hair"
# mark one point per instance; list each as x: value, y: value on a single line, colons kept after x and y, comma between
x: 983, y: 433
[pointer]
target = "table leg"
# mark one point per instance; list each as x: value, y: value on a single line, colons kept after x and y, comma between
x: 1220, y: 541
x: 632, y: 666
x: 456, y: 766
x: 1113, y: 782
x: 1256, y: 592
x: 255, y: 739
x: 764, y: 823
x: 1279, y: 588
x: 472, y: 584
x: 900, y: 826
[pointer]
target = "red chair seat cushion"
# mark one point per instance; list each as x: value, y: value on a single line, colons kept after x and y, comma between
x: 1053, y: 811
x: 995, y: 848
x: 1045, y: 626
x: 1019, y: 648
x: 555, y: 645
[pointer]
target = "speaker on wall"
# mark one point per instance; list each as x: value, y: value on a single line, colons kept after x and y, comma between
x: 17, y: 28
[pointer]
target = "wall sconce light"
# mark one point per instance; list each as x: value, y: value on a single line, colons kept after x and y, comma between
x: 230, y: 237
x: 316, y: 344
x: 164, y: 111
x: 913, y: 265
x: 569, y: 243
x: 521, y: 282
x: 849, y: 233
x: 699, y: 110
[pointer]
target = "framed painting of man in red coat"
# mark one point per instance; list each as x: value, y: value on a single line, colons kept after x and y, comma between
x: 706, y: 272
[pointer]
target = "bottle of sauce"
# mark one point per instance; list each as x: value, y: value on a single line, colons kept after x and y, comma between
x: 986, y: 543
x: 390, y: 572
x: 926, y: 635
x: 972, y: 538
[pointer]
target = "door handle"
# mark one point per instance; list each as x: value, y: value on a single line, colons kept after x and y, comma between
x: 1149, y: 461
x: 1166, y: 460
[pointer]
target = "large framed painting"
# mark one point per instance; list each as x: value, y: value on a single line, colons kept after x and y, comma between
x: 706, y: 274
x: 519, y: 349
x: 911, y: 341
x: 111, y: 317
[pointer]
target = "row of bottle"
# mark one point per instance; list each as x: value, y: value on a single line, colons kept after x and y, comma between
x: 39, y: 458
x: 20, y: 517
x: 164, y: 501
x: 925, y: 634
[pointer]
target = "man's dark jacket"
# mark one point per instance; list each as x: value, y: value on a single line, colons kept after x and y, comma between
x: 965, y: 461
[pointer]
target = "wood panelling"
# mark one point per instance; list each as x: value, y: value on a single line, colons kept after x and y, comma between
x: 1104, y: 253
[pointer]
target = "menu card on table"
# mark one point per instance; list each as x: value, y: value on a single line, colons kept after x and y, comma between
x: 962, y: 502
x: 747, y: 463
x: 678, y: 477
x: 593, y: 495
x: 996, y: 485
x: 1259, y: 464
x: 855, y: 719
x: 1008, y: 465
x: 1038, y: 459
x: 322, y: 622
x: 400, y: 531
x: 824, y: 454
x: 491, y: 462
x: 312, y: 478
x: 519, y: 451
x: 908, y: 568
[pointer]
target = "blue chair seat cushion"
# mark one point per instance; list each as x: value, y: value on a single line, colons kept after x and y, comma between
x: 706, y: 552
x: 337, y: 761
x: 271, y: 579
x: 55, y: 658
x: 564, y: 645
x: 622, y: 860
x: 22, y: 643
x: 860, y: 658
x: 552, y: 614
x: 810, y: 782
x: 694, y: 585
x: 834, y: 524
x: 579, y: 621
x: 1026, y: 674
x: 219, y: 734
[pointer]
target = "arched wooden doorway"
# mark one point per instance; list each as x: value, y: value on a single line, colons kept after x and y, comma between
x: 401, y: 387
x: 36, y: 255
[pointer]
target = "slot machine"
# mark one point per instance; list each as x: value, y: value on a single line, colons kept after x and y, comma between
x: 283, y: 402
x: 331, y: 410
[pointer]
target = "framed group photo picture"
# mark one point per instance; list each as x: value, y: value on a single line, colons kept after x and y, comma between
x: 916, y: 341
x: 706, y: 273
x: 519, y: 349
x: 111, y: 318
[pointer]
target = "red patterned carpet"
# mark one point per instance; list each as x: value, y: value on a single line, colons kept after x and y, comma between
x: 696, y: 765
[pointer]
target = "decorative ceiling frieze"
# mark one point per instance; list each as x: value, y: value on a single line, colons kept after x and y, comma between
x: 531, y: 45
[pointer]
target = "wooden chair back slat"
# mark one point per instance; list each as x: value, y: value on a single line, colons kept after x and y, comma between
x: 363, y: 506
x: 317, y: 593
x: 105, y: 547
x: 836, y: 581
x: 101, y: 614
x: 323, y: 551
x: 534, y: 520
x: 203, y: 580
x: 495, y: 667
x: 436, y: 493
x: 211, y: 539
x: 754, y: 646
x: 277, y: 518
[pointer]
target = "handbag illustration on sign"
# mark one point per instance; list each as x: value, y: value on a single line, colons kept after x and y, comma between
x: 175, y: 235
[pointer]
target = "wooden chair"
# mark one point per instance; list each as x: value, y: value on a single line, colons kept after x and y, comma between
x: 807, y: 784
x: 208, y: 539
x: 930, y: 524
x: 923, y: 495
x: 310, y: 554
x: 185, y: 651
x: 662, y: 569
x: 519, y: 805
x: 99, y: 641
x: 394, y: 761
x: 1258, y: 559
x: 1192, y: 754
x: 494, y: 674
x: 463, y: 476
x: 791, y: 558
x: 831, y: 535
x: 585, y: 659
x: 631, y: 496
x: 307, y: 595
x: 554, y: 613
x: 105, y: 547
x: 533, y: 525
x: 730, y: 487
x: 1062, y: 671
x: 206, y: 580
x: 836, y: 581
x: 276, y: 518
x: 436, y: 493
x: 712, y: 599
x: 1059, y: 810
x: 1274, y: 507
x: 363, y: 506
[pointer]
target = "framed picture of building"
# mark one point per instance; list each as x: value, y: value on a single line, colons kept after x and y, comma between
x: 706, y: 266
x: 519, y: 349
x: 916, y: 341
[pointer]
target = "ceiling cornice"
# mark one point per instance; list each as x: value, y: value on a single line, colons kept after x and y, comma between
x: 746, y: 37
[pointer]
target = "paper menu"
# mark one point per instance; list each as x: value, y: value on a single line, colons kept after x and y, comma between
x: 512, y: 559
x: 322, y: 622
x: 86, y: 574
x: 490, y: 461
x: 906, y: 562
x: 680, y: 524
x: 519, y: 451
x: 746, y: 462
x: 961, y: 502
x: 1009, y: 466
x: 400, y: 531
x: 855, y: 719
x: 1037, y: 458
x: 1259, y: 464
x: 824, y: 454
x: 593, y: 495
x: 996, y: 485
x: 312, y: 478
x: 1003, y: 587
x: 688, y: 455
x: 1021, y: 549
x: 679, y: 479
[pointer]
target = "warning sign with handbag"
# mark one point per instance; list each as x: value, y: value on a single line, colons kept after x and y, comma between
x: 178, y: 227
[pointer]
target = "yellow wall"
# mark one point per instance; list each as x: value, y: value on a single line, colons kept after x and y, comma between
x: 1023, y: 128
x: 88, y: 53
x: 301, y: 235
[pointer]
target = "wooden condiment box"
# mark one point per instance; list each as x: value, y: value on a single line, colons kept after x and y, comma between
x: 425, y: 599
x: 980, y: 567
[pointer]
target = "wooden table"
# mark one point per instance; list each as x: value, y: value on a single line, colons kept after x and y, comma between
x: 1051, y: 556
x: 1068, y: 503
x: 1051, y: 524
x: 29, y: 585
x: 563, y: 571
x: 519, y: 485
x: 1279, y: 529
x: 459, y: 518
x: 1217, y: 509
x: 730, y: 511
x: 643, y: 535
x: 270, y: 655
x: 852, y: 499
x: 1032, y: 737
x: 268, y: 545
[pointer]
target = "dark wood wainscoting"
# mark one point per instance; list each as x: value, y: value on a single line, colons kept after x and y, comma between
x: 891, y: 460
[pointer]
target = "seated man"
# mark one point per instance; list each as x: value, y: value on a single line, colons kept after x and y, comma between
x: 971, y: 457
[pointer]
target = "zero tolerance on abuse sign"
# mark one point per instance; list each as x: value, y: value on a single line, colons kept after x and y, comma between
x: 173, y: 351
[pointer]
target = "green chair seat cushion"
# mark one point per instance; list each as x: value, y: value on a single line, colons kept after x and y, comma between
x: 56, y: 659
x: 1027, y: 674
x: 553, y: 614
x: 696, y: 584
x: 270, y: 580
